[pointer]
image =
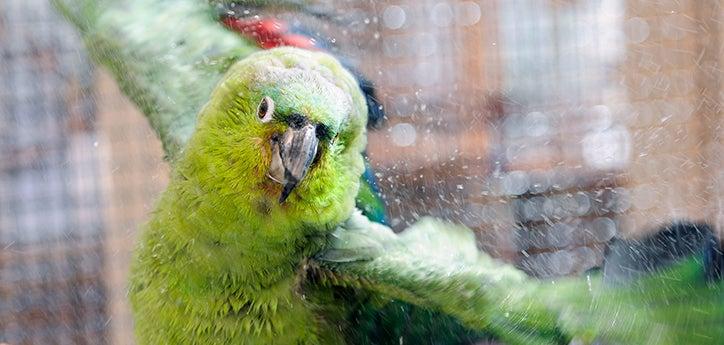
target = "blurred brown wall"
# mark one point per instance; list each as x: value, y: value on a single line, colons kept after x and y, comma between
x: 135, y: 174
x: 673, y: 76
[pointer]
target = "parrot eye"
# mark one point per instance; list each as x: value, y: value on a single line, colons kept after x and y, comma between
x: 265, y: 110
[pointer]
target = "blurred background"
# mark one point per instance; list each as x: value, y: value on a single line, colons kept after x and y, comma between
x: 548, y: 126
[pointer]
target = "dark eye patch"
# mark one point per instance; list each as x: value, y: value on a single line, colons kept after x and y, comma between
x: 323, y: 132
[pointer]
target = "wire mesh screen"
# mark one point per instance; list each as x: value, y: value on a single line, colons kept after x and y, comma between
x: 51, y: 209
x: 507, y: 125
x: 549, y: 127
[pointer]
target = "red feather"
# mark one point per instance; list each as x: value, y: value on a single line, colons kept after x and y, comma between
x: 269, y: 33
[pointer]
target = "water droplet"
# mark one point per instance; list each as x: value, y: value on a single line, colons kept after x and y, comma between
x: 607, y: 149
x: 588, y: 281
x: 515, y: 182
x: 637, y: 30
x: 536, y: 124
x: 441, y: 14
x: 467, y: 13
x: 394, y: 17
x: 603, y: 229
x: 403, y: 134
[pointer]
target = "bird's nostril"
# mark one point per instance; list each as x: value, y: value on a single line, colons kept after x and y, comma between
x: 297, y: 121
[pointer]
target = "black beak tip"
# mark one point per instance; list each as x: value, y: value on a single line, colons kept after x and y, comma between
x: 287, y: 191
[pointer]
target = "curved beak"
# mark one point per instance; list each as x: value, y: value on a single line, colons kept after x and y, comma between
x: 292, y: 155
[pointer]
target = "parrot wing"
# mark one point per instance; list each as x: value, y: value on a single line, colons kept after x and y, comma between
x: 167, y: 56
x: 369, y: 198
x: 436, y: 265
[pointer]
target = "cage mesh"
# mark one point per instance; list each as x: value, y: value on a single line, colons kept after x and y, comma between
x: 51, y: 223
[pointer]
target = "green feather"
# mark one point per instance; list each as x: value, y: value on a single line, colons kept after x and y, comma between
x: 436, y: 265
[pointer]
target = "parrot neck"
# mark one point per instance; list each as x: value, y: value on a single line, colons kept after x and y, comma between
x: 251, y: 237
x: 228, y: 219
x: 224, y: 258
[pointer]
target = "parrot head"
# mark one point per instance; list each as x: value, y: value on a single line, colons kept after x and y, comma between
x: 282, y: 132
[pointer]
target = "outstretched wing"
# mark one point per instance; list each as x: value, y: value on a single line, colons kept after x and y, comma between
x: 436, y: 265
x: 166, y: 55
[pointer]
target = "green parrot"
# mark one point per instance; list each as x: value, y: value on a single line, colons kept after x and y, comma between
x: 257, y: 239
